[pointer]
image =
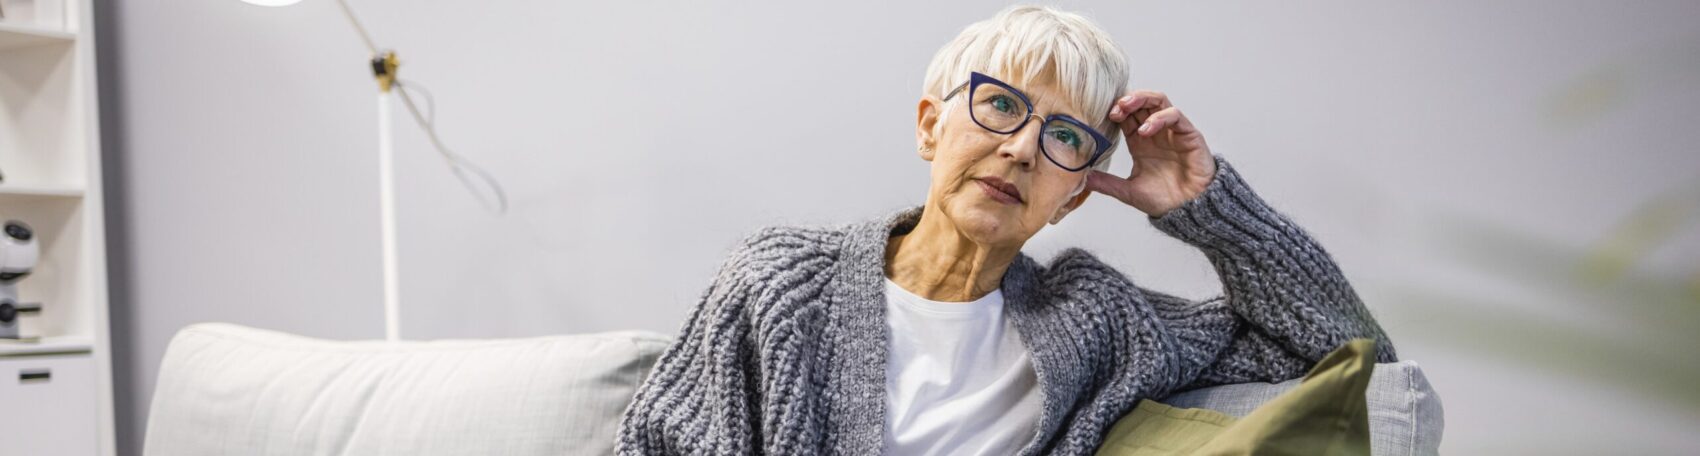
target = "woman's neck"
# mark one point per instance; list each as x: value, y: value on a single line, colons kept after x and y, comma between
x: 937, y: 262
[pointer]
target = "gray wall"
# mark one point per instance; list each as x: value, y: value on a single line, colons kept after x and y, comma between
x: 1457, y: 158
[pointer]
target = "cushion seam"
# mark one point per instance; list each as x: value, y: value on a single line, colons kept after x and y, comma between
x: 1411, y: 401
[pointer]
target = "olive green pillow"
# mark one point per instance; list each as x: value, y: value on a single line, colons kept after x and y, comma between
x: 1325, y: 414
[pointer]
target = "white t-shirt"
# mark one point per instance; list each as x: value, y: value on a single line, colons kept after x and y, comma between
x: 958, y: 379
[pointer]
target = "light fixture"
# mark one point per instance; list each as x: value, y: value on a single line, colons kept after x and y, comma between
x: 271, y: 2
x: 384, y: 65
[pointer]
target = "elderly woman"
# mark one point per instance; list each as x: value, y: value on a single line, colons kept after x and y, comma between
x: 928, y: 331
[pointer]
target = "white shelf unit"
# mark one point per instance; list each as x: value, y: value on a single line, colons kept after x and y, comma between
x: 56, y: 393
x: 27, y: 35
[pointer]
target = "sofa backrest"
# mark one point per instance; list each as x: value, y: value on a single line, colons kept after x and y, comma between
x: 229, y: 389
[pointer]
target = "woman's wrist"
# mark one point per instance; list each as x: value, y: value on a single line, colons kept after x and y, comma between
x: 1191, y: 190
x: 1226, y: 212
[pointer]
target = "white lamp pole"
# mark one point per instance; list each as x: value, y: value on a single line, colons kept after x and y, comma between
x: 386, y: 208
x: 384, y: 68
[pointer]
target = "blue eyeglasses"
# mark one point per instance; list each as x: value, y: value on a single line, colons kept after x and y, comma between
x: 1066, y: 142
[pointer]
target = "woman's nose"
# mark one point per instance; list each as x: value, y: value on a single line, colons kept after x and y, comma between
x: 1023, y: 144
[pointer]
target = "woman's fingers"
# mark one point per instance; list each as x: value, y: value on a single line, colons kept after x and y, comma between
x: 1128, y: 127
x: 1170, y: 117
x: 1108, y: 184
x: 1144, y: 99
x: 1135, y: 102
x: 1136, y: 109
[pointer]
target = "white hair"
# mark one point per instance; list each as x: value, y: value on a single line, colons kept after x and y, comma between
x: 1024, y: 41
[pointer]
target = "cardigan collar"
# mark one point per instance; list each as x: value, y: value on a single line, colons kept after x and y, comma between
x: 858, y: 290
x: 859, y: 287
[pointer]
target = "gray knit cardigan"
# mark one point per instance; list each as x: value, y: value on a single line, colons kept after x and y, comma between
x: 786, y: 351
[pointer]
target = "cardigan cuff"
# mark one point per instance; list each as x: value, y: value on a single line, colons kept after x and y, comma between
x: 1226, y: 216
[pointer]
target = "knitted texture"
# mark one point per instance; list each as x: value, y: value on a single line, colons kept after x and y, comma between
x: 785, y: 353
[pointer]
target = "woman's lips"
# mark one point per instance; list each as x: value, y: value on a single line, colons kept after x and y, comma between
x: 999, y: 190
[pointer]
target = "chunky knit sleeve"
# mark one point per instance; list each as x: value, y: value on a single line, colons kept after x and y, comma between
x: 1293, y: 305
x: 693, y: 401
x: 713, y: 390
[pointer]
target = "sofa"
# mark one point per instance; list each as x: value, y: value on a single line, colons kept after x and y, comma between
x: 230, y: 389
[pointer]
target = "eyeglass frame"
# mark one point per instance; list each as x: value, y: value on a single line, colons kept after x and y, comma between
x: 975, y: 79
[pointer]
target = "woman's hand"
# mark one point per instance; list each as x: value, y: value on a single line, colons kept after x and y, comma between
x: 1171, y: 163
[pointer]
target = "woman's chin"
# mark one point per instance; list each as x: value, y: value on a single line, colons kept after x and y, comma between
x: 985, y: 223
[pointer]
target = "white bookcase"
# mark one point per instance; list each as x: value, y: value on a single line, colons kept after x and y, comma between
x: 55, y: 393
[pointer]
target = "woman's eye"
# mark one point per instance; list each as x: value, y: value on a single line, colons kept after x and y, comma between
x: 1067, y: 137
x: 1003, y: 104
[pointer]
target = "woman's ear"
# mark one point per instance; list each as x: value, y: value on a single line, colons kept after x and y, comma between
x: 1073, y: 203
x: 926, y: 123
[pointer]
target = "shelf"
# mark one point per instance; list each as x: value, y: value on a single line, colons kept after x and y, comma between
x: 39, y: 191
x: 13, y: 36
x: 47, y: 345
x: 50, y: 146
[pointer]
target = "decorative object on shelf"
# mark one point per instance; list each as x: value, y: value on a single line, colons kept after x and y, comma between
x: 384, y: 65
x: 20, y: 321
x: 18, y: 254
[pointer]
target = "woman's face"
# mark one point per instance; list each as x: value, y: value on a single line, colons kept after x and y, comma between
x: 970, y: 164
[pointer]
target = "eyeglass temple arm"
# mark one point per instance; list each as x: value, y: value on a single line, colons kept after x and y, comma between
x: 954, y: 91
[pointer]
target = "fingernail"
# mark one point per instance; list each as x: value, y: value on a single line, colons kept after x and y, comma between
x: 1115, y: 111
x: 1145, y: 128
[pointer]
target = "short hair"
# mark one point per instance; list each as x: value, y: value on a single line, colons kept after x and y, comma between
x: 1024, y: 41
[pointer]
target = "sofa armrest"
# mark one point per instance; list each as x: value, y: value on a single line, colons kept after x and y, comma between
x: 1405, y: 414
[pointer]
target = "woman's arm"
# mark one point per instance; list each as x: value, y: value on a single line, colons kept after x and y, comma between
x: 714, y: 391
x: 694, y: 401
x: 1294, y: 304
x: 1290, y: 304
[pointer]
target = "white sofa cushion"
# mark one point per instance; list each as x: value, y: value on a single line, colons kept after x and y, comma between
x: 229, y: 389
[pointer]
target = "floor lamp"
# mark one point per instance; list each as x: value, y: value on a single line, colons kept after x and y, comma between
x: 384, y: 65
